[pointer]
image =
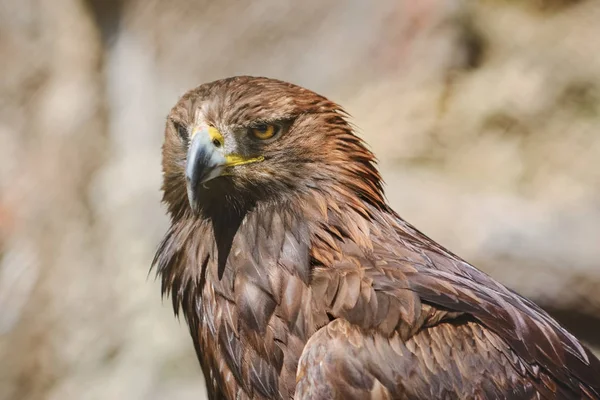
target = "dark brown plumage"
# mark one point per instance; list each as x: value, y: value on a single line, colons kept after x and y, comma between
x: 298, y: 281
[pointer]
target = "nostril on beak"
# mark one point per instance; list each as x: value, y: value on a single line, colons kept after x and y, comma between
x: 216, y: 143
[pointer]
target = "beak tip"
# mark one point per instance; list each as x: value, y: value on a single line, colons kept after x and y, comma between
x: 192, y: 201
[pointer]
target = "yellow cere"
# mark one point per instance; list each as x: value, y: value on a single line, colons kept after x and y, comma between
x: 233, y: 160
x: 213, y: 133
x: 264, y: 132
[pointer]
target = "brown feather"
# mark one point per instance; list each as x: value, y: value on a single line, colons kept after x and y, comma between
x: 298, y: 280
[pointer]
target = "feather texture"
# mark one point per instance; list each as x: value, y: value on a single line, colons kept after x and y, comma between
x: 298, y: 281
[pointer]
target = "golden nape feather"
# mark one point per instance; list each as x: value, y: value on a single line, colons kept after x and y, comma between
x: 298, y: 281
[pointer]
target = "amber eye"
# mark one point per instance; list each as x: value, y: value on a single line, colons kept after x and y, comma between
x: 264, y: 131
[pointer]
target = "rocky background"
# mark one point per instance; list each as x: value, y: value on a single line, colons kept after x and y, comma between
x: 485, y: 116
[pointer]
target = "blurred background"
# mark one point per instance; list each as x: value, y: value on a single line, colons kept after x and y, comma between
x: 485, y: 116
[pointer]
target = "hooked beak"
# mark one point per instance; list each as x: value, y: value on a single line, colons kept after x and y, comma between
x: 207, y: 160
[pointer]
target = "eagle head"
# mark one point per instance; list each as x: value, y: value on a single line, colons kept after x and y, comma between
x: 232, y: 143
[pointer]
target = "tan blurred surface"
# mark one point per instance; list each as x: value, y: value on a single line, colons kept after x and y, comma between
x: 485, y: 116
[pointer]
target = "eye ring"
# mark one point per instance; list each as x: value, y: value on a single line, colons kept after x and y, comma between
x: 264, y: 131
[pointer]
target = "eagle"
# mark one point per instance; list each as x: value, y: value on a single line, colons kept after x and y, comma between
x: 298, y: 280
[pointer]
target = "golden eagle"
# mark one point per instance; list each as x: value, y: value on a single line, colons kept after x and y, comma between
x: 298, y: 280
